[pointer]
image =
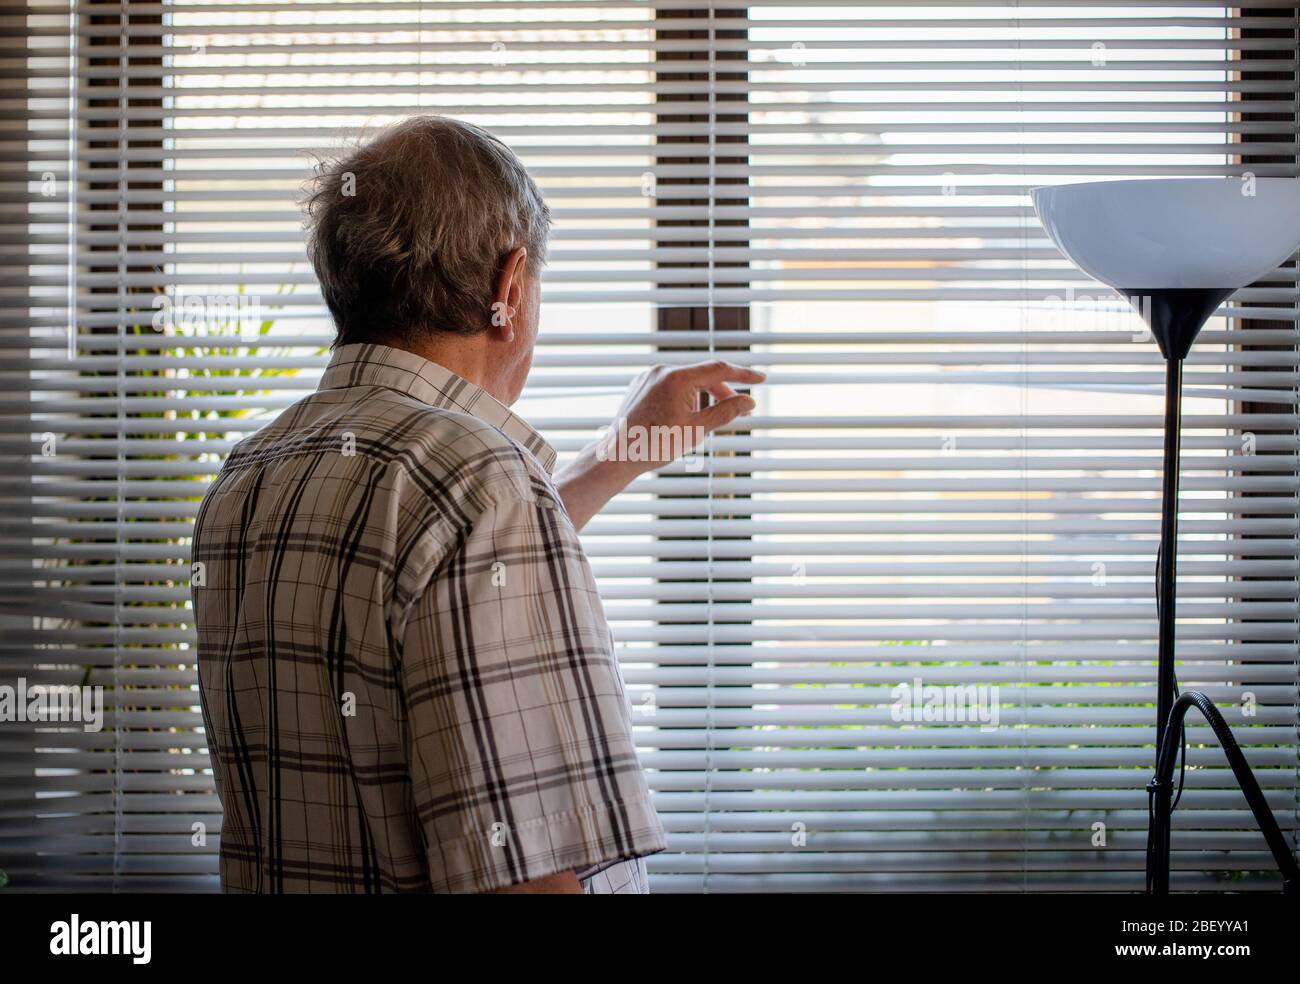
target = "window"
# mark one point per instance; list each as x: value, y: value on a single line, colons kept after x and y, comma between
x: 947, y: 498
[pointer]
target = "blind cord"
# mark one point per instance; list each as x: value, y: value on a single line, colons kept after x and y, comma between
x: 119, y: 599
x: 1024, y: 470
x: 709, y: 459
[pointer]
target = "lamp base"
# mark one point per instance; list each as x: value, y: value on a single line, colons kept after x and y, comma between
x: 1175, y: 314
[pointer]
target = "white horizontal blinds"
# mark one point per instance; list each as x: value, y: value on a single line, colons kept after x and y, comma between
x: 954, y: 476
x: 194, y: 319
x: 17, y: 741
x: 1251, y: 159
x: 951, y: 476
x: 111, y: 793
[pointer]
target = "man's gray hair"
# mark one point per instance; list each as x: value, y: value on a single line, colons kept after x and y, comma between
x: 408, y: 231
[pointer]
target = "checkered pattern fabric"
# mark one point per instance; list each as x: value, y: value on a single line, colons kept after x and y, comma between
x: 406, y: 674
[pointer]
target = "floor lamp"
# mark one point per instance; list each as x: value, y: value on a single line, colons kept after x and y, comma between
x: 1177, y: 249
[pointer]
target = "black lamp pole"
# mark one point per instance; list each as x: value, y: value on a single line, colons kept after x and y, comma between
x: 1175, y: 316
x: 1167, y: 595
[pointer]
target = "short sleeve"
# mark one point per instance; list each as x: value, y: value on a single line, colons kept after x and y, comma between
x: 521, y: 758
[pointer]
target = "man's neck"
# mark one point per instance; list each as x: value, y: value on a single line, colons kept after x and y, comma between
x: 465, y: 355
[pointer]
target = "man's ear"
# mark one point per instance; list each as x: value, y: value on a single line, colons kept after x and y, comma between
x: 511, y: 283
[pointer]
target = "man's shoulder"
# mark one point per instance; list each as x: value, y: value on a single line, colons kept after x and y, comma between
x: 440, y: 452
x: 474, y: 455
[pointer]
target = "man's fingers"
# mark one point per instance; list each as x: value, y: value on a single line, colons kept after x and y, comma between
x: 724, y: 411
x: 705, y: 374
x: 721, y: 391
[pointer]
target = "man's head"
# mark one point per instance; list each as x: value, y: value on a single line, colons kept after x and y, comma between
x: 430, y: 237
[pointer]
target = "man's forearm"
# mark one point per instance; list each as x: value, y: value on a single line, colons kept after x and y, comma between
x: 587, y: 483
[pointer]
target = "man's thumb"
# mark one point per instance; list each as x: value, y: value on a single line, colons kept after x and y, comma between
x: 725, y: 411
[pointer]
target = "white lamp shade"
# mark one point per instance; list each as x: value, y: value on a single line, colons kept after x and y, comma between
x: 1175, y: 232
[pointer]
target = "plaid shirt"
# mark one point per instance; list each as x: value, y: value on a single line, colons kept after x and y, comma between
x: 407, y: 679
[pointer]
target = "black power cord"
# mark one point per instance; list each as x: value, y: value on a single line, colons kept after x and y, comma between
x: 1277, y: 844
x: 1182, y: 758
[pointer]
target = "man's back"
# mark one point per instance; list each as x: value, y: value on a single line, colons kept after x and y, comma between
x: 406, y: 675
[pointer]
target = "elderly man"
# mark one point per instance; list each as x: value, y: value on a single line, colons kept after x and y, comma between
x: 407, y: 679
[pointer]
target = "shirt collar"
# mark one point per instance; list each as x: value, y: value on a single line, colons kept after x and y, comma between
x: 428, y: 382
